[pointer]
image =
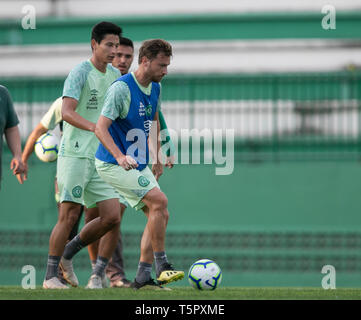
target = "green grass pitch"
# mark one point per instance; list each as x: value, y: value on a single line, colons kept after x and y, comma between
x: 180, y: 293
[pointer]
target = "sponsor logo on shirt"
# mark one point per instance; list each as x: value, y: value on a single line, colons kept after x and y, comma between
x: 141, y: 110
x: 93, y: 101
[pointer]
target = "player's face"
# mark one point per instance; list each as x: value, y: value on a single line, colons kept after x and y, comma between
x: 158, y: 67
x: 105, y: 50
x: 123, y: 58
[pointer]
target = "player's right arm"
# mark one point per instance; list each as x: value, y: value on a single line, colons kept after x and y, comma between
x: 73, y: 88
x: 102, y: 133
x: 116, y: 104
x: 72, y: 117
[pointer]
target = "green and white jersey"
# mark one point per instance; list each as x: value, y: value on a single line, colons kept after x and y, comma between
x: 88, y: 86
x: 117, y: 102
x: 53, y: 116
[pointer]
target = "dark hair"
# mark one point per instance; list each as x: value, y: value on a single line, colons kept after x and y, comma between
x: 101, y: 29
x: 151, y: 48
x: 126, y: 42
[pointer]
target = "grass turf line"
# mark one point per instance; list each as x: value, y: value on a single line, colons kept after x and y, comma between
x: 181, y: 293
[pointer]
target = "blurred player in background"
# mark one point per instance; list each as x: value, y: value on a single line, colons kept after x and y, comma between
x: 49, y: 121
x: 78, y: 181
x: 132, y: 103
x: 9, y: 127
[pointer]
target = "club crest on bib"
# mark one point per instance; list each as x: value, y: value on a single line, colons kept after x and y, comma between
x: 148, y: 110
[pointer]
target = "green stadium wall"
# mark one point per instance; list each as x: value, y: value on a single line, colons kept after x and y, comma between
x: 191, y: 27
x: 268, y: 224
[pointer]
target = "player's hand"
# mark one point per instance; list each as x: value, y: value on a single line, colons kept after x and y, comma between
x: 25, y: 170
x: 21, y: 178
x: 18, y: 168
x: 169, y: 162
x: 127, y: 162
x: 157, y: 169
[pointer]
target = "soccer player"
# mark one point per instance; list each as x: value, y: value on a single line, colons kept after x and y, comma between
x: 131, y: 104
x: 123, y: 60
x: 9, y: 127
x: 78, y: 181
x: 115, y: 270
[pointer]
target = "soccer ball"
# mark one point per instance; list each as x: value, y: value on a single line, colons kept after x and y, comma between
x: 205, y: 274
x: 46, y: 147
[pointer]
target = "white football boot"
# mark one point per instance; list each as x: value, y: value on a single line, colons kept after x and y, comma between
x: 54, y: 283
x: 68, y: 272
x: 95, y: 282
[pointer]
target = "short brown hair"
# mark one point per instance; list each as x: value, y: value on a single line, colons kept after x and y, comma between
x: 151, y: 48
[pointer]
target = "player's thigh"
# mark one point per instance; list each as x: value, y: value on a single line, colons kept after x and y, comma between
x: 71, y: 179
x: 98, y: 190
x: 133, y: 185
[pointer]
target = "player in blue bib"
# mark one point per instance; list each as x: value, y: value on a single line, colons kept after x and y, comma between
x: 130, y: 108
x: 137, y: 118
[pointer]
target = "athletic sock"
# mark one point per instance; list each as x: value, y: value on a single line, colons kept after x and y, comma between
x: 160, y: 259
x: 52, y: 267
x: 144, y: 272
x: 73, y: 247
x: 100, y: 266
x: 93, y: 263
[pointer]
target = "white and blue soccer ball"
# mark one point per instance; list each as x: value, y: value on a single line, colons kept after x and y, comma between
x: 46, y: 147
x: 205, y: 274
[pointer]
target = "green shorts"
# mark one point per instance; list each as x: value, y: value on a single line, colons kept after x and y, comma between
x: 133, y: 185
x: 79, y: 182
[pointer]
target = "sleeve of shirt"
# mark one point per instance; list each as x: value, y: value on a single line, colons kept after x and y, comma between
x: 53, y: 115
x: 117, y: 101
x: 12, y: 118
x: 75, y: 81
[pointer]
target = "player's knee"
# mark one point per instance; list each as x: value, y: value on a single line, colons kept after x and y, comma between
x: 91, y: 214
x: 72, y: 218
x: 160, y: 202
x: 111, y: 220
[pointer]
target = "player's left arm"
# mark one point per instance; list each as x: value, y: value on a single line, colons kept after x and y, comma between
x: 169, y: 162
x: 170, y: 152
x: 157, y: 166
